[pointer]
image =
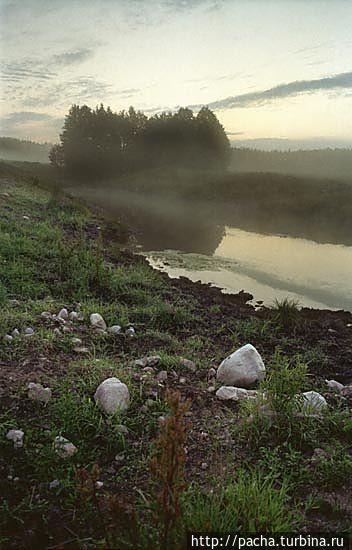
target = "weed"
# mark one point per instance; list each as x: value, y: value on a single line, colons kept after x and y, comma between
x: 167, y: 467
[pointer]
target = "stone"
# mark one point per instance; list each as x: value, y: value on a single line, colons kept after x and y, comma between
x: 97, y: 321
x: 114, y: 329
x: 76, y: 341
x: 313, y: 402
x: 28, y: 331
x: 162, y: 376
x: 55, y: 484
x: 37, y: 392
x: 242, y: 368
x: 46, y: 315
x: 73, y: 316
x: 211, y: 389
x: 188, y: 364
x: 334, y: 385
x: 235, y: 394
x: 130, y: 331
x: 8, y: 338
x: 66, y: 330
x: 63, y: 314
x: 80, y: 349
x: 99, y: 484
x: 182, y: 380
x: 15, y: 333
x: 149, y: 370
x: 346, y: 391
x: 63, y: 447
x: 57, y: 332
x: 17, y: 437
x: 25, y: 217
x: 122, y: 429
x: 150, y: 361
x: 211, y: 373
x: 112, y: 395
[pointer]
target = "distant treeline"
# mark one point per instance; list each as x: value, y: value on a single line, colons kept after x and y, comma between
x: 22, y: 150
x: 326, y: 163
x: 99, y: 143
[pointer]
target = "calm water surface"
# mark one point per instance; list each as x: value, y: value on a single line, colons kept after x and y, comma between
x: 269, y: 266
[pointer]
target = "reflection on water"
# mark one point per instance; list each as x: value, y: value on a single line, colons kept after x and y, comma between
x: 272, y: 254
x: 270, y: 266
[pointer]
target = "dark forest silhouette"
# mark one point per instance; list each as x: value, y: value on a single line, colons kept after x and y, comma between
x: 101, y: 143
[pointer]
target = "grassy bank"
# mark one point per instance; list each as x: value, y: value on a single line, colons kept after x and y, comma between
x: 143, y: 477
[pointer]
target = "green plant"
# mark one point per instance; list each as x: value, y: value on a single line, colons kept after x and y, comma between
x: 253, y: 503
x: 286, y: 314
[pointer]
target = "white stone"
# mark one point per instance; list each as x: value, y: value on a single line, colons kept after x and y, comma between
x: 28, y: 331
x: 46, y: 315
x: 313, y: 402
x: 162, y: 376
x: 63, y: 447
x: 17, y: 437
x: 38, y: 393
x: 8, y: 338
x: 25, y: 217
x: 115, y: 329
x: 73, y: 316
x: 76, y: 341
x: 148, y: 361
x: 80, y: 349
x: 235, y: 394
x: 97, y: 321
x: 242, y: 368
x: 15, y: 333
x: 334, y: 385
x: 112, y: 395
x: 188, y: 364
x: 63, y: 314
x: 130, y: 331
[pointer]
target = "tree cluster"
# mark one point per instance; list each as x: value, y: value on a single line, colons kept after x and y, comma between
x: 98, y: 142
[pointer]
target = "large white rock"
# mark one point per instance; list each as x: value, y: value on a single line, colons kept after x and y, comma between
x: 38, y: 393
x: 63, y: 447
x: 235, y: 394
x: 313, y: 402
x: 242, y: 368
x: 17, y: 437
x: 97, y: 321
x: 112, y: 395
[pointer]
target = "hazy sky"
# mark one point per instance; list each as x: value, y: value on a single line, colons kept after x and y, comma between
x: 269, y: 68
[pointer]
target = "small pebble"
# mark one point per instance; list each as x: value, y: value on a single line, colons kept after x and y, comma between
x: 182, y: 380
x: 8, y: 338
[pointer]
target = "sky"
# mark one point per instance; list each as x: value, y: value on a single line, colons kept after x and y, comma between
x: 270, y: 69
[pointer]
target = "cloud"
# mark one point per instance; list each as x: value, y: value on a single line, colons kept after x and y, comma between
x: 18, y: 71
x: 339, y: 81
x: 21, y: 117
x: 73, y: 57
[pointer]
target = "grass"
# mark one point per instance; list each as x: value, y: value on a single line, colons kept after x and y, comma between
x: 285, y: 313
x: 58, y: 259
x: 253, y: 503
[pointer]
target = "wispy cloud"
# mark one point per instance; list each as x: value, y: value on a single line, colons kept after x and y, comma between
x: 73, y: 57
x: 335, y: 82
x: 21, y: 117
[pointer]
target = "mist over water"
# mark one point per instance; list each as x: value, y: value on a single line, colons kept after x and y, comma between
x: 235, y: 246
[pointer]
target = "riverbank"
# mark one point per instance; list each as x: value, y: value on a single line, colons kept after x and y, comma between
x: 277, y: 472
